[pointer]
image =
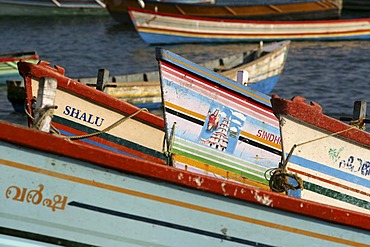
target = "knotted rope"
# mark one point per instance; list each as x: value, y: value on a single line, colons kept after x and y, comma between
x: 278, y: 177
x: 44, y: 112
x: 49, y: 110
x: 108, y: 128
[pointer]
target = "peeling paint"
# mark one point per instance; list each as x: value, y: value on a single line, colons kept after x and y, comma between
x: 264, y: 200
x: 198, y: 181
x: 223, y: 187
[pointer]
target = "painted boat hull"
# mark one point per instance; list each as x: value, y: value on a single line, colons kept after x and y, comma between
x: 251, y: 10
x: 16, y: 95
x: 83, y: 111
x: 50, y: 8
x: 358, y: 5
x: 162, y: 28
x: 143, y: 89
x: 61, y: 192
x: 264, y: 65
x: 264, y: 70
x: 334, y: 167
x: 250, y: 142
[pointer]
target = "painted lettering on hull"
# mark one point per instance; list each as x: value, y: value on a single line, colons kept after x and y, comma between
x: 36, y: 197
x: 269, y: 136
x: 83, y: 116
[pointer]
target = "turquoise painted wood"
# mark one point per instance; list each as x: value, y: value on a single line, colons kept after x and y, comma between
x: 59, y: 191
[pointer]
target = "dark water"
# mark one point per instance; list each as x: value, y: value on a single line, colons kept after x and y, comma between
x: 334, y: 74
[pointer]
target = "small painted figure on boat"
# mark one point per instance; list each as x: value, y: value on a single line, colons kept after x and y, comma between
x: 213, y: 120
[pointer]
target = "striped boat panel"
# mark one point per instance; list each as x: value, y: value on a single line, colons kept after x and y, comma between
x: 188, y: 100
x: 337, y: 170
x: 159, y: 28
x: 87, y: 117
x: 106, y: 141
x: 190, y: 152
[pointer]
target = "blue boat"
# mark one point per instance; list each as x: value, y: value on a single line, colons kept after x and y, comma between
x: 162, y: 28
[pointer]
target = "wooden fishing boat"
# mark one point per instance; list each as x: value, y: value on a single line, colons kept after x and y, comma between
x: 52, y: 7
x: 61, y: 192
x: 253, y: 10
x: 163, y: 28
x: 8, y: 64
x: 263, y: 64
x: 16, y: 94
x: 86, y: 114
x: 358, y: 5
x: 216, y: 126
x: 330, y: 156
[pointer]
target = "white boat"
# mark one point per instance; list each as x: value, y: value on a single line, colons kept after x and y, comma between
x: 331, y: 157
x: 156, y: 27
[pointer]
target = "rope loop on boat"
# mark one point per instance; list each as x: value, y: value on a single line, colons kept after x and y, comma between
x: 53, y: 129
x: 278, y: 177
x: 167, y: 150
x: 46, y: 111
x: 278, y: 180
x: 359, y: 123
x: 108, y: 128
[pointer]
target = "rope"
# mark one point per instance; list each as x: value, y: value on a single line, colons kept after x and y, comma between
x: 81, y: 136
x: 53, y: 129
x: 360, y: 123
x: 108, y: 128
x: 46, y: 111
x: 322, y: 137
x: 278, y: 180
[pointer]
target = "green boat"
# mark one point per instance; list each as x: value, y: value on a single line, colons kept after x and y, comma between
x: 8, y: 64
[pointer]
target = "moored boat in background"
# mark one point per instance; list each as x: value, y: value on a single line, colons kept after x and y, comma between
x: 52, y: 7
x: 263, y: 66
x: 162, y: 28
x: 252, y: 10
x: 331, y: 157
x: 8, y: 64
x: 16, y: 94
